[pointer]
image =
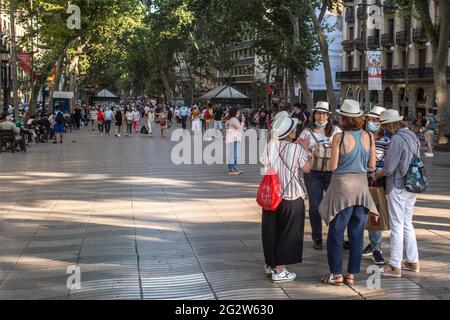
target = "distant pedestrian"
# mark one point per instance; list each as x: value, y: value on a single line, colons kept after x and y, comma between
x: 196, y: 121
x: 58, y: 127
x: 100, y: 121
x: 108, y: 120
x: 119, y: 118
x: 184, y: 113
x: 129, y: 121
x: 136, y: 120
x: 93, y: 117
x: 150, y: 119
x: 163, y: 122
x: 233, y: 139
x: 430, y: 131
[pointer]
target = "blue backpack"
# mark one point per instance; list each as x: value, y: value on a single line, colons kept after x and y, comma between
x: 415, y: 180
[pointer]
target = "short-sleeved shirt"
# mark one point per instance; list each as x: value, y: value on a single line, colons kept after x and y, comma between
x: 294, y: 157
x: 320, y: 137
x: 108, y: 115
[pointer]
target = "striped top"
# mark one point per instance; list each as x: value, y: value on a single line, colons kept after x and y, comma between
x: 381, y: 146
x: 294, y: 157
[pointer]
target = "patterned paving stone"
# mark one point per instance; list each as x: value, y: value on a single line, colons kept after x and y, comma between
x: 139, y: 227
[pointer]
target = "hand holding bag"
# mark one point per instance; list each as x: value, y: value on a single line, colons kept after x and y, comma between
x: 379, y: 197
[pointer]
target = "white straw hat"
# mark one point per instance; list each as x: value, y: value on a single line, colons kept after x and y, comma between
x: 375, y: 112
x: 281, y: 114
x: 322, y: 106
x: 350, y: 108
x: 283, y: 126
x: 389, y: 116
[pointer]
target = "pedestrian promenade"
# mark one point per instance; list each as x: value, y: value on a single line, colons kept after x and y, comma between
x: 140, y: 227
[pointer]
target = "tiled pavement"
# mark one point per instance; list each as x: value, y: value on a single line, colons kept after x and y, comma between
x: 139, y: 227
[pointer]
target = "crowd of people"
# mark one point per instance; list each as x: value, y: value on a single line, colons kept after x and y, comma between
x: 341, y: 160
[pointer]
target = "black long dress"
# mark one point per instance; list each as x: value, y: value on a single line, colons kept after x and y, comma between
x: 283, y: 232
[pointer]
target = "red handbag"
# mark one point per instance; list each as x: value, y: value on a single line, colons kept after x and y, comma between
x: 162, y: 122
x: 269, y: 193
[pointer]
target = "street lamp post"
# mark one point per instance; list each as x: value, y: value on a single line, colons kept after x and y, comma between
x: 258, y: 84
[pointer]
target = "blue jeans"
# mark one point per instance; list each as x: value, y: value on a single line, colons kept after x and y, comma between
x: 317, y: 183
x: 376, y: 237
x: 233, y: 157
x: 354, y: 219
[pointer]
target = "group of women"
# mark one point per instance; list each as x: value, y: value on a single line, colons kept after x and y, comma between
x: 132, y: 119
x: 338, y: 163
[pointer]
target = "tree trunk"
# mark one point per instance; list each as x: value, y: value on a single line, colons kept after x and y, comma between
x: 291, y: 84
x: 305, y: 90
x: 440, y: 73
x: 168, y: 89
x: 323, y: 44
x: 268, y: 76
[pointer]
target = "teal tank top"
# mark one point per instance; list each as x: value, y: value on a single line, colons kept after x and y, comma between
x: 356, y: 160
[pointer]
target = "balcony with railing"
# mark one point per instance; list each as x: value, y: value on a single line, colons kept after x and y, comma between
x: 350, y: 15
x: 392, y: 74
x: 388, y: 6
x: 362, y: 12
x: 348, y: 45
x: 403, y: 37
x: 373, y: 42
x: 419, y: 35
x: 387, y: 40
x: 359, y: 44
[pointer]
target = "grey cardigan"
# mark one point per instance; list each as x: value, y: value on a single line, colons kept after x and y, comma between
x: 399, y: 156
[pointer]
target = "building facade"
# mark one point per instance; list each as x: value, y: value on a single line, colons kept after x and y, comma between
x: 407, y: 74
x: 24, y: 86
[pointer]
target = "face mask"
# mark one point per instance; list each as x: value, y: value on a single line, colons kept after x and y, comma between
x: 373, y: 127
x: 321, y: 125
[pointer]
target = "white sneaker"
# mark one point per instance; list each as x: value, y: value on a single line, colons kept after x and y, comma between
x: 269, y: 271
x: 429, y: 155
x: 283, y: 276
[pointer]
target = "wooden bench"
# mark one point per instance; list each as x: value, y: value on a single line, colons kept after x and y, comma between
x: 8, y: 136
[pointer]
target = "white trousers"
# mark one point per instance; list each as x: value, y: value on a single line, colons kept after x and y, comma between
x: 149, y: 127
x: 401, y: 205
x: 197, y: 125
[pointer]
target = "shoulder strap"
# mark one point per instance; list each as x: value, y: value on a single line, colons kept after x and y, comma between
x: 313, y: 135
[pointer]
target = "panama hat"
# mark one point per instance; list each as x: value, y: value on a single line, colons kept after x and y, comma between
x: 322, y: 106
x: 389, y: 116
x: 283, y: 126
x: 281, y: 114
x: 350, y: 108
x: 375, y: 112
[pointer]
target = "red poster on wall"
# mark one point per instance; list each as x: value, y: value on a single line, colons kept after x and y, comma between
x: 25, y: 62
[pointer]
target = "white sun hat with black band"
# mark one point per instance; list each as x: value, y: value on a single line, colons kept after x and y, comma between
x: 350, y: 108
x: 283, y: 126
x: 389, y: 116
x: 281, y: 114
x: 322, y: 106
x: 375, y: 112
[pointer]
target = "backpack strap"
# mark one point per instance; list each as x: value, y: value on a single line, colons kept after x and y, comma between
x: 314, y: 136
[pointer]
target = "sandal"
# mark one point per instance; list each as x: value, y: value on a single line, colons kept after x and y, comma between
x: 350, y: 279
x: 333, y: 280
